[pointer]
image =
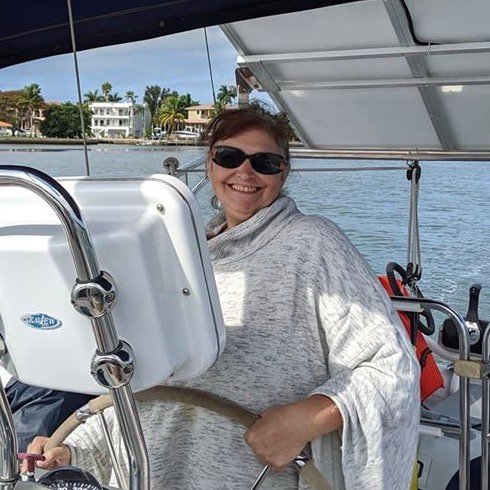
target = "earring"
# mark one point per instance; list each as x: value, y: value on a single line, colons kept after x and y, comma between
x: 216, y: 204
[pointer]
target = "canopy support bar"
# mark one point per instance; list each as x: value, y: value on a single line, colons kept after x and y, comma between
x: 366, y: 53
x: 385, y: 83
x: 391, y: 154
x: 418, y: 68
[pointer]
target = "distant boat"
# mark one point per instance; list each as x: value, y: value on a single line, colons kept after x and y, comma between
x: 187, y: 133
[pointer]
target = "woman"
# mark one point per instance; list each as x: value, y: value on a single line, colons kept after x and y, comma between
x: 313, y: 344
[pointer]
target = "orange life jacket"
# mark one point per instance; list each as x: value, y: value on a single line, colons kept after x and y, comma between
x: 430, y: 378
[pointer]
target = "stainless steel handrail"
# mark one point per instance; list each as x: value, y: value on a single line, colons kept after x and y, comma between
x: 107, y: 341
x: 418, y: 305
x: 485, y: 423
x: 9, y: 468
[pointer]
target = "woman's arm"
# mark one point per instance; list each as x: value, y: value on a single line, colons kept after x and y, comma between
x: 282, y: 432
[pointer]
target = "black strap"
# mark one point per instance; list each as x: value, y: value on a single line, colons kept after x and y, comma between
x: 429, y: 327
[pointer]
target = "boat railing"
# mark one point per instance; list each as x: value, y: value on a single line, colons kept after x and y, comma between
x: 417, y: 305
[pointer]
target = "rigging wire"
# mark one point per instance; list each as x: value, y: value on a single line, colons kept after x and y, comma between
x: 209, y: 65
x: 414, y: 259
x: 79, y: 90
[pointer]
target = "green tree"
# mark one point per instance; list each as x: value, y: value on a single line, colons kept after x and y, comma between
x: 115, y: 97
x: 93, y: 97
x: 154, y: 97
x: 219, y: 107
x: 226, y: 94
x: 63, y: 121
x: 30, y: 101
x: 187, y: 100
x: 171, y: 113
x: 152, y: 100
x: 10, y: 110
x: 130, y: 95
x: 106, y: 90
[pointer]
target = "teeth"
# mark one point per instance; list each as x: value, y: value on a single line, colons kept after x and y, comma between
x: 243, y: 188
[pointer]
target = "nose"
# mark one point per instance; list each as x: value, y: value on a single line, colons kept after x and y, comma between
x: 245, y: 169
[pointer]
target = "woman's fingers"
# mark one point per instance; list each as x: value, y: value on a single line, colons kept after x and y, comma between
x: 54, y: 458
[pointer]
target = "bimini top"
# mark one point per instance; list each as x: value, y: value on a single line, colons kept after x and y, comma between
x: 34, y: 29
x: 372, y: 74
x: 377, y: 74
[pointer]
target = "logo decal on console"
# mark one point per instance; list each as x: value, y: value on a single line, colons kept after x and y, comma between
x: 41, y: 321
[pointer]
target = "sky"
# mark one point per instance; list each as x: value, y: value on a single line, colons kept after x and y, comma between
x: 178, y: 62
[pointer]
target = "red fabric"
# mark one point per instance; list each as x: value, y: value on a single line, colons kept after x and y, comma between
x: 431, y: 378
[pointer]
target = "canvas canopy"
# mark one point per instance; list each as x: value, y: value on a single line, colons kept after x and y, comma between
x: 35, y: 29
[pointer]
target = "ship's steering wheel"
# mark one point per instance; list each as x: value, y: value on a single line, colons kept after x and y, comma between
x: 198, y: 398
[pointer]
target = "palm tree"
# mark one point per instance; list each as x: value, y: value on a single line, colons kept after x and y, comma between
x: 93, y: 97
x: 130, y: 95
x: 106, y: 90
x: 188, y: 101
x: 115, y: 97
x: 30, y: 101
x: 172, y: 113
x: 226, y: 94
x: 219, y: 107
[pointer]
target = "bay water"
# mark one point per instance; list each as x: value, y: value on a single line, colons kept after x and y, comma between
x: 370, y: 206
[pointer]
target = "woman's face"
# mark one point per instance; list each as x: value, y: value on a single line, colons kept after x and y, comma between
x: 243, y: 191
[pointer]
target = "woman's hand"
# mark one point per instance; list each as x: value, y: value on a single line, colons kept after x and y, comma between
x: 56, y: 457
x: 282, y: 432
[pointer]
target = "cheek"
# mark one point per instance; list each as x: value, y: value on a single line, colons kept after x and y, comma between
x: 217, y: 176
x: 276, y: 187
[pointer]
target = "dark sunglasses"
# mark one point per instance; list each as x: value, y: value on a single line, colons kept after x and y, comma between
x: 262, y: 162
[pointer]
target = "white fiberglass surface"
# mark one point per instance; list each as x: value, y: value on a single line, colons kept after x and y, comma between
x: 464, y: 65
x: 323, y: 71
x: 445, y: 21
x: 468, y: 111
x: 149, y: 237
x: 366, y: 118
x: 329, y: 28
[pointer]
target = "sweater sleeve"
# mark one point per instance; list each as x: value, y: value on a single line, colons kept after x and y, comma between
x: 373, y: 376
x: 89, y: 449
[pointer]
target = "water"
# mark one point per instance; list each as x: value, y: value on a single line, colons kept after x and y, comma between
x: 371, y: 207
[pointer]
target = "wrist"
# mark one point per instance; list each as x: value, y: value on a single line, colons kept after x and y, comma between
x: 324, y: 415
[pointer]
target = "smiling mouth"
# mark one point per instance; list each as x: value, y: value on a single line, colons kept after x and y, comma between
x: 244, y: 188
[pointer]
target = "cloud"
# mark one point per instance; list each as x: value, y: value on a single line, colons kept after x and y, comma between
x: 178, y: 62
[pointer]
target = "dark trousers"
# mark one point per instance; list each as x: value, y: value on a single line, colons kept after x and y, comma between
x: 39, y: 411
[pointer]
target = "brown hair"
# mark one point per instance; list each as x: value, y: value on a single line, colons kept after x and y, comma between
x: 231, y: 122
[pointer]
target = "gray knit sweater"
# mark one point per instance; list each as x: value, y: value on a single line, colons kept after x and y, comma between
x: 303, y: 315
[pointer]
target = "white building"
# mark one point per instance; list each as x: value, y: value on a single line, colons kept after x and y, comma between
x: 117, y: 119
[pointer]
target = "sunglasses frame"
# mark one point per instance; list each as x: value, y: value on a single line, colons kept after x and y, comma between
x: 252, y: 158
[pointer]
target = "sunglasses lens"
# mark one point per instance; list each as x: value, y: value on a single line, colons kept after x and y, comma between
x: 263, y: 163
x: 267, y: 163
x: 228, y: 157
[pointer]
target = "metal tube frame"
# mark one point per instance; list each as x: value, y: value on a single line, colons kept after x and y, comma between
x: 417, y: 305
x: 107, y: 341
x: 366, y: 53
x: 485, y: 423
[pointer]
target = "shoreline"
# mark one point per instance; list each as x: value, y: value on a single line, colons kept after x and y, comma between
x: 28, y: 140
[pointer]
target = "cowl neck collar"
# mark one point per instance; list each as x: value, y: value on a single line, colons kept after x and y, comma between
x: 247, y: 237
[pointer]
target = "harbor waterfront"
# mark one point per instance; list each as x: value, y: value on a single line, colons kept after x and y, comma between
x: 370, y: 206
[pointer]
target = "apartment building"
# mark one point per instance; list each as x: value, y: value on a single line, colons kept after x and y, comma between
x: 117, y: 119
x: 198, y: 117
